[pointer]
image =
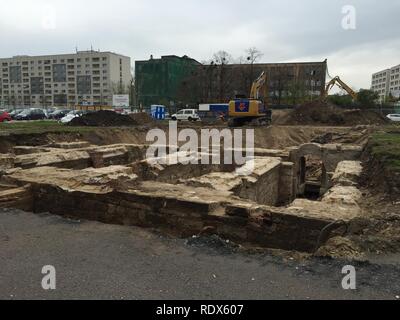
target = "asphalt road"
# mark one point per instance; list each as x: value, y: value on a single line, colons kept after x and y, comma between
x: 97, y: 261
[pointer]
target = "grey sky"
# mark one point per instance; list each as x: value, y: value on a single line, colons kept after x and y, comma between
x: 284, y: 30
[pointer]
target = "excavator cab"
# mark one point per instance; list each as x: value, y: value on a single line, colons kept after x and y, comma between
x: 251, y: 111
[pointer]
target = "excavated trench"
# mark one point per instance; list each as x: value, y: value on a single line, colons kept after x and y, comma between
x: 269, y: 207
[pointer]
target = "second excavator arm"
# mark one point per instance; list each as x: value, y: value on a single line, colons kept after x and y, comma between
x: 341, y: 85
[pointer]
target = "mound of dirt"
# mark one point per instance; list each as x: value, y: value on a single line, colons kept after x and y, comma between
x: 323, y: 113
x: 103, y: 119
x: 358, y: 135
x: 142, y: 118
x: 340, y: 247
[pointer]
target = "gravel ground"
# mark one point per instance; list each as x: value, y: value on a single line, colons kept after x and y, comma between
x: 97, y: 261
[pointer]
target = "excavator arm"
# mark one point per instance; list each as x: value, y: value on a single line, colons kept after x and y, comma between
x: 337, y: 81
x: 258, y: 85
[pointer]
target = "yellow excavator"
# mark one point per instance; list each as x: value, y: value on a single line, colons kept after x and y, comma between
x: 342, y: 85
x: 251, y: 111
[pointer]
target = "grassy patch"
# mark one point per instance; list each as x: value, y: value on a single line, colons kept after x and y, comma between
x: 386, y: 147
x: 37, y: 127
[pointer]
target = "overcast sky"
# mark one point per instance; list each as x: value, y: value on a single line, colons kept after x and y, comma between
x: 284, y: 30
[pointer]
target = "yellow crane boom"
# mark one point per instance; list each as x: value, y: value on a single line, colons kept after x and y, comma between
x: 337, y: 81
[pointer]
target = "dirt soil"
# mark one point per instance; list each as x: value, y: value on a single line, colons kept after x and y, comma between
x: 378, y: 230
x: 143, y: 119
x: 279, y: 137
x: 380, y: 179
x: 323, y: 113
x: 273, y: 137
x: 103, y: 119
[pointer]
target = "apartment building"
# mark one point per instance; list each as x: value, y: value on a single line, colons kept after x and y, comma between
x: 387, y: 83
x: 83, y: 78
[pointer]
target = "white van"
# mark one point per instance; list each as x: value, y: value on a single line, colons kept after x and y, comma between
x: 186, y: 115
x: 394, y: 117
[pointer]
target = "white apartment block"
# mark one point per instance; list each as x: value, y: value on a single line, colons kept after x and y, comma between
x: 386, y: 83
x: 83, y: 78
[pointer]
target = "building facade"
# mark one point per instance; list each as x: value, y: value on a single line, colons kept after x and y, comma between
x: 387, y: 83
x: 185, y: 81
x: 288, y: 83
x: 83, y: 78
x: 158, y: 81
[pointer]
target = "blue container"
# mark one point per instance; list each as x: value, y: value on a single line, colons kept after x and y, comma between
x: 158, y: 112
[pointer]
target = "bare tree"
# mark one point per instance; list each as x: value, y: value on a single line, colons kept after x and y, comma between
x: 221, y: 59
x: 253, y: 56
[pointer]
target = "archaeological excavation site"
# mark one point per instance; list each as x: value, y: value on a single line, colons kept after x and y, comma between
x: 304, y: 192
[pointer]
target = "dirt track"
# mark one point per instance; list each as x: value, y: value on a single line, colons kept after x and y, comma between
x: 97, y: 261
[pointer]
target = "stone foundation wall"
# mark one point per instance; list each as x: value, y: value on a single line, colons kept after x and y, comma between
x: 331, y: 155
x: 263, y: 190
x: 256, y: 225
x: 17, y: 198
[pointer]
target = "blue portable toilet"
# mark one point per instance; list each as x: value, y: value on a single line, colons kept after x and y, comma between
x: 158, y: 112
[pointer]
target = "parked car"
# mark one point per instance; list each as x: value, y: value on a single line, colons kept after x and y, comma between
x: 71, y: 115
x: 394, y: 117
x: 32, y: 114
x: 4, y: 116
x: 58, y: 114
x: 186, y: 115
x: 15, y: 112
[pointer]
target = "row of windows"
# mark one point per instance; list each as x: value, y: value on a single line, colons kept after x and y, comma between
x: 380, y: 75
x: 27, y: 92
x: 62, y: 83
x: 378, y: 86
x: 49, y: 68
x: 379, y: 81
x: 33, y: 97
x: 383, y: 91
x: 5, y: 76
x: 379, y: 90
x: 46, y: 62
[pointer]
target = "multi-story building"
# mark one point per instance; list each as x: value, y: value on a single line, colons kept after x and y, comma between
x: 83, y: 78
x: 158, y: 81
x: 288, y: 83
x: 184, y: 81
x: 387, y: 83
